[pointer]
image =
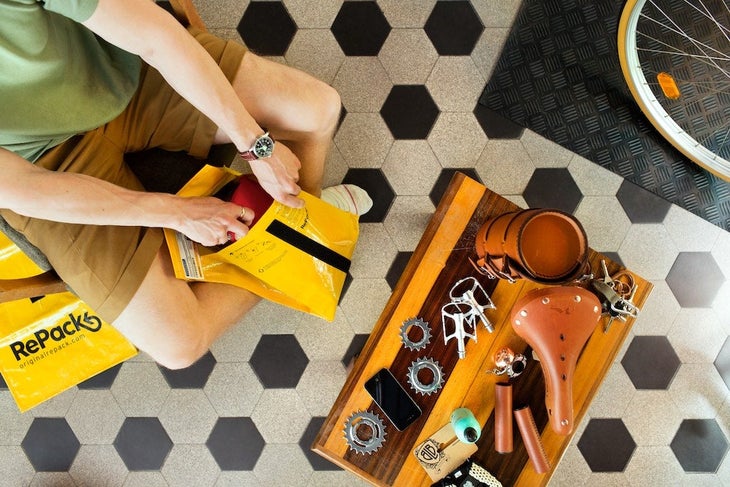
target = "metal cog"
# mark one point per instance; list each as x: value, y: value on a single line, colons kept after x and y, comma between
x: 367, y: 419
x: 418, y: 323
x: 430, y: 364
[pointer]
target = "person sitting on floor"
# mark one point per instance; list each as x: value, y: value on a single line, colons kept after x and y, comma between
x: 82, y: 82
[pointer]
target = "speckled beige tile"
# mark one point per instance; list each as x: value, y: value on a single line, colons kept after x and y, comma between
x: 504, y: 166
x: 59, y: 479
x: 488, y: 49
x: 457, y: 139
x: 414, y: 68
x: 98, y: 465
x: 13, y: 424
x: 544, y: 152
x: 698, y: 391
x: 364, y: 302
x: 696, y: 335
x: 407, y: 13
x: 55, y: 407
x: 374, y: 253
x: 614, y: 394
x: 648, y: 250
x: 95, y: 417
x: 455, y: 84
x: 315, y: 51
x: 280, y: 416
x: 233, y: 389
x: 239, y: 342
x: 654, y: 465
x: 652, y: 418
x: 140, y: 389
x: 659, y: 311
x: 188, y: 465
x: 323, y: 340
x: 572, y: 469
x: 338, y: 478
x: 271, y: 470
x: 217, y: 14
x: 145, y: 479
x: 308, y: 14
x: 320, y: 385
x: 15, y: 467
x: 689, y: 232
x: 188, y: 416
x: 592, y: 179
x: 364, y: 140
x: 411, y: 167
x: 497, y: 14
x: 362, y: 83
x: 604, y: 221
x: 407, y: 220
x: 335, y: 167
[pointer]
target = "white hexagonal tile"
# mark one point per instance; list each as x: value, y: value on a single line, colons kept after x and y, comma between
x: 315, y: 51
x: 271, y: 470
x: 659, y: 311
x: 140, y: 389
x: 374, y: 253
x: 406, y: 13
x: 455, y: 84
x: 545, y: 152
x: 95, y: 417
x: 698, y: 391
x: 411, y: 167
x: 696, y: 335
x: 648, y: 250
x: 613, y: 396
x: 313, y: 14
x: 320, y: 385
x: 188, y: 416
x: 414, y: 68
x: 233, y: 389
x: 281, y: 416
x: 689, y: 232
x: 364, y: 140
x: 407, y: 220
x: 604, y: 221
x: 323, y: 340
x: 652, y: 418
x: 457, y: 139
x: 188, y: 465
x: 364, y: 302
x: 592, y: 179
x: 362, y: 83
x: 98, y: 465
x: 505, y: 166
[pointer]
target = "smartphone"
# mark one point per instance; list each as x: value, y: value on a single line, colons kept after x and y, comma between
x: 393, y: 399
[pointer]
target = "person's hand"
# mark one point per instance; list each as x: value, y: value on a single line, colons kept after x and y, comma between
x: 209, y: 221
x: 279, y: 174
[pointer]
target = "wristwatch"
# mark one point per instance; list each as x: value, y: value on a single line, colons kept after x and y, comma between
x: 263, y: 147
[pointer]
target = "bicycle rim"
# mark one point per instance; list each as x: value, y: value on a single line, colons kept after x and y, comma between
x: 690, y: 42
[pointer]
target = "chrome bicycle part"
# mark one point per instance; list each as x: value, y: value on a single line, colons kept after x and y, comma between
x: 434, y: 368
x: 405, y: 334
x: 471, y: 292
x: 364, y: 432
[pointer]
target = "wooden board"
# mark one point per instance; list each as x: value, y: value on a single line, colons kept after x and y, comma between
x: 440, y: 260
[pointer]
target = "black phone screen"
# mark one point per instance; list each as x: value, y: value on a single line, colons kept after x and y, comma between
x: 393, y: 399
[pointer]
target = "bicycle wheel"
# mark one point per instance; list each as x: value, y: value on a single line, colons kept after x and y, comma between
x: 675, y: 56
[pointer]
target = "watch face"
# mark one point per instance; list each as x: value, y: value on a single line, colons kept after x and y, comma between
x: 263, y: 147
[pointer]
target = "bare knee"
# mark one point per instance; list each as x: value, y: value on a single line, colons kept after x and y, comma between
x: 331, y: 107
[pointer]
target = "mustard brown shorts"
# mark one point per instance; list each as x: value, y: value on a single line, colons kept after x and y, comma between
x: 105, y: 265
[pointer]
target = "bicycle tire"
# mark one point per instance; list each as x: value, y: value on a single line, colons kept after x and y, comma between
x: 697, y: 123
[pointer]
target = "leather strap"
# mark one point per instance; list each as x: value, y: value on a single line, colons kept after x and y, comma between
x: 531, y: 439
x: 503, y: 433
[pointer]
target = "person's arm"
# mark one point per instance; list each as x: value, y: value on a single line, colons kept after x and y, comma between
x: 75, y: 198
x: 143, y: 28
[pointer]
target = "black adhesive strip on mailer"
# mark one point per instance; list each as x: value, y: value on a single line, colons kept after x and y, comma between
x: 306, y: 244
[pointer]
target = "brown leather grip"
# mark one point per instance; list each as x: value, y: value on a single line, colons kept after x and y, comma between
x: 503, y: 417
x: 531, y: 439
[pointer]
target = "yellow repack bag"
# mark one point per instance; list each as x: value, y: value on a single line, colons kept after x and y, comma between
x: 50, y: 344
x: 14, y: 264
x: 297, y: 257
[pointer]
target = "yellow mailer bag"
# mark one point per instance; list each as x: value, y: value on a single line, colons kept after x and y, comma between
x: 297, y: 257
x: 14, y: 264
x: 50, y: 344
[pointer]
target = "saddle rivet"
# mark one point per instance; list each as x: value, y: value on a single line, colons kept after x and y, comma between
x: 564, y: 422
x: 596, y: 309
x: 545, y: 300
x: 577, y: 298
x: 523, y: 313
x: 517, y: 322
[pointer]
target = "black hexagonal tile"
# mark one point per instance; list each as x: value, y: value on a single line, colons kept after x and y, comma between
x: 454, y: 28
x: 193, y: 377
x: 640, y: 205
x: 360, y: 28
x: 50, y: 445
x: 606, y: 445
x: 358, y: 341
x: 102, y: 380
x: 279, y: 361
x: 345, y: 287
x: 235, y: 443
x: 3, y: 384
x: 553, y: 188
x: 376, y: 184
x: 409, y: 112
x: 691, y: 288
x: 318, y: 462
x: 650, y: 362
x: 722, y: 362
x: 495, y: 126
x: 397, y: 268
x: 614, y: 257
x: 442, y: 183
x: 266, y: 28
x: 699, y: 445
x: 142, y: 444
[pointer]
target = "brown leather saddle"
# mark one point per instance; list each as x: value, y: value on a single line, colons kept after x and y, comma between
x: 557, y: 322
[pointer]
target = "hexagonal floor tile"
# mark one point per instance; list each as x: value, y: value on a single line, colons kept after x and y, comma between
x: 699, y: 445
x: 606, y: 445
x: 722, y: 363
x: 376, y: 184
x: 454, y: 28
x: 3, y: 384
x: 650, y: 362
x: 360, y: 28
x: 267, y: 28
x: 358, y: 341
x: 193, y: 377
x: 695, y: 289
x: 552, y: 188
x: 318, y: 462
x: 102, y: 380
x: 495, y: 125
x: 442, y: 183
x: 235, y: 443
x: 409, y: 112
x: 397, y: 268
x: 50, y: 445
x: 143, y: 444
x: 640, y: 205
x: 279, y: 361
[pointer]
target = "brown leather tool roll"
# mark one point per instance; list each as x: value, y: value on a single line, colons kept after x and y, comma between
x: 503, y: 417
x: 531, y: 439
x: 547, y: 246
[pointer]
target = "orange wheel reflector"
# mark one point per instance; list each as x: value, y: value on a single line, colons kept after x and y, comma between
x: 669, y: 86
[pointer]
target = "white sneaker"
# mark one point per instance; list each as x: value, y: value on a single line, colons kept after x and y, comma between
x: 348, y: 197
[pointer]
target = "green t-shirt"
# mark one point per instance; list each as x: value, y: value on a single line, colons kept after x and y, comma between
x: 57, y: 78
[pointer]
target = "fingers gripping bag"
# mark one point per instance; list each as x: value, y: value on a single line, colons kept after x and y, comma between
x: 297, y: 257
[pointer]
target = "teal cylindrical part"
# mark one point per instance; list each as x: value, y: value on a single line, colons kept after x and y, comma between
x: 465, y: 425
